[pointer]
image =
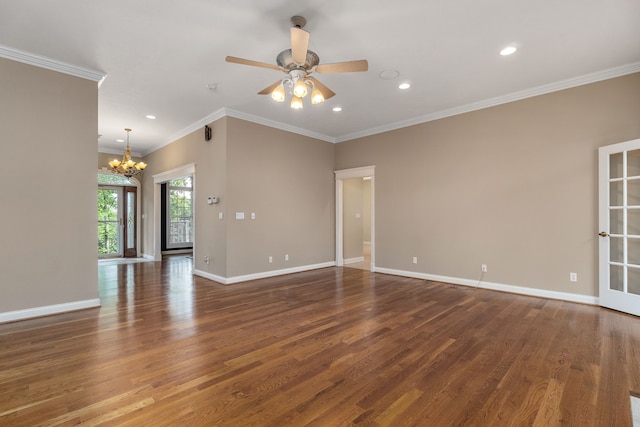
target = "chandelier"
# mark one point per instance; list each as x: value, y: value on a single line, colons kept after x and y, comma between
x: 126, y: 166
x: 299, y: 85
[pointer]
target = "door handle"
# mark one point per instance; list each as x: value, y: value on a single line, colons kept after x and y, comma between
x: 603, y: 234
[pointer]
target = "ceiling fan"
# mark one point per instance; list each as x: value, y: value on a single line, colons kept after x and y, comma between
x: 299, y: 63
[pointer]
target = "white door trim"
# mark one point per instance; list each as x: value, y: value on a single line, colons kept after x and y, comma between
x: 158, y: 179
x: 341, y: 175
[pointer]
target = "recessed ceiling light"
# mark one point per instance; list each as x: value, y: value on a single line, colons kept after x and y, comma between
x: 337, y: 109
x: 508, y: 50
x: 150, y: 117
x: 389, y: 74
x: 404, y: 86
x: 119, y: 140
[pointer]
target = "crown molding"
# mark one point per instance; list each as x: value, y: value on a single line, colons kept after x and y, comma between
x: 279, y: 125
x: 492, y: 102
x: 227, y: 112
x: 119, y: 152
x: 216, y: 115
x: 51, y: 64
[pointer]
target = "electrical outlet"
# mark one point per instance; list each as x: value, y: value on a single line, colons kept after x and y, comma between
x: 573, y: 277
x: 484, y: 268
x: 286, y: 257
x: 415, y: 259
x: 206, y: 259
x: 270, y: 259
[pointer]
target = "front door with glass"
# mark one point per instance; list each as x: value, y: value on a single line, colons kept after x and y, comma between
x: 117, y: 218
x: 109, y: 221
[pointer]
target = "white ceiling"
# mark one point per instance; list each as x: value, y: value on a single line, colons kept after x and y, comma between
x: 160, y: 55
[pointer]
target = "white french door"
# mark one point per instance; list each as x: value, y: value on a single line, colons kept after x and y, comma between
x: 619, y: 219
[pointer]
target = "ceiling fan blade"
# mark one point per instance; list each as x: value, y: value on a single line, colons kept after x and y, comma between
x: 299, y: 45
x: 326, y: 92
x: 252, y: 63
x: 343, y: 67
x: 268, y: 90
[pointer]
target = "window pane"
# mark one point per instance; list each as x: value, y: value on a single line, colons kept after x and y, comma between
x: 616, y: 277
x: 615, y: 193
x: 633, y: 282
x: 180, y: 212
x: 615, y: 221
x: 112, y: 178
x: 616, y: 249
x: 633, y: 251
x: 633, y: 192
x: 633, y: 222
x: 615, y: 165
x: 633, y: 163
x: 131, y: 221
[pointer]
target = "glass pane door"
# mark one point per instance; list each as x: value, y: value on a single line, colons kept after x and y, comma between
x: 109, y: 230
x: 130, y: 229
x: 620, y: 227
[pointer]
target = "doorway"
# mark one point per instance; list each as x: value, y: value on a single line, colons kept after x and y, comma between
x: 619, y: 220
x: 117, y: 224
x: 118, y: 216
x: 355, y: 217
x: 158, y: 181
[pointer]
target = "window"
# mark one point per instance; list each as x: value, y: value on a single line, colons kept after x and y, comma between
x: 180, y: 213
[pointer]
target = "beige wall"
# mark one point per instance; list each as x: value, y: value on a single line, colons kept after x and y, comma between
x: 366, y: 210
x: 352, y: 218
x: 288, y: 181
x: 48, y: 122
x: 210, y: 161
x: 284, y: 178
x: 513, y: 186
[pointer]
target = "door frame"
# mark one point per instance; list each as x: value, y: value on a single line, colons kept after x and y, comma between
x: 133, y: 182
x: 340, y: 176
x: 158, y: 179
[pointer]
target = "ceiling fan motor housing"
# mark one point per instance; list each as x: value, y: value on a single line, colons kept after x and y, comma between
x: 285, y: 60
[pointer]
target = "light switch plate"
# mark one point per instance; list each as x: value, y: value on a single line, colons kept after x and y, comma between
x: 239, y: 215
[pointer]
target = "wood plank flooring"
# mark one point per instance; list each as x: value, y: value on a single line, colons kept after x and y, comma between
x: 330, y: 347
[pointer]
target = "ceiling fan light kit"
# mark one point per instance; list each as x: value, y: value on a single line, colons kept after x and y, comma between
x: 298, y: 63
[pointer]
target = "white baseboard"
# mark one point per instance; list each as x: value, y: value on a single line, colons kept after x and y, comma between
x: 262, y: 275
x: 210, y: 276
x: 353, y: 260
x: 149, y: 257
x: 11, y: 316
x: 177, y: 251
x: 564, y: 296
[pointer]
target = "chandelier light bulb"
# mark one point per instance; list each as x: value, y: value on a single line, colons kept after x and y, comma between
x: 316, y: 97
x: 296, y: 103
x: 300, y: 89
x: 278, y: 94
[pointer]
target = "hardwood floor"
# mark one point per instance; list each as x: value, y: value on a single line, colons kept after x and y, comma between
x: 330, y: 347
